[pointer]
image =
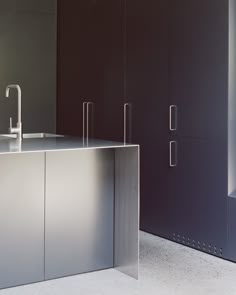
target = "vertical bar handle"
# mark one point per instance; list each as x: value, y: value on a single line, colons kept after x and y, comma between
x: 87, y: 133
x: 171, y: 162
x: 173, y: 107
x: 126, y: 106
x: 84, y: 118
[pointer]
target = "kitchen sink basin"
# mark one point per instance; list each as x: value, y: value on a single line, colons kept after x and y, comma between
x: 31, y: 135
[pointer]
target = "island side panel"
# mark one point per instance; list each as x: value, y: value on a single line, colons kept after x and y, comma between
x: 126, y: 240
x: 21, y: 219
x: 79, y: 217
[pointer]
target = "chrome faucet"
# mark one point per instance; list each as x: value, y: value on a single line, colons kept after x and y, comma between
x: 18, y: 129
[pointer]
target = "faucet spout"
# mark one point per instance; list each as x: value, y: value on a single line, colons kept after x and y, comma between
x: 17, y: 87
x: 18, y: 129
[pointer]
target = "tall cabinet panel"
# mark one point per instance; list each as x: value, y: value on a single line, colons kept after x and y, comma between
x: 146, y: 89
x: 91, y: 67
x: 198, y: 83
x: 75, y: 54
x: 199, y: 67
x: 107, y: 76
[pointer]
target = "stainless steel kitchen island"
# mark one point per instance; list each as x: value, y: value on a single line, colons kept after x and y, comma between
x: 67, y: 207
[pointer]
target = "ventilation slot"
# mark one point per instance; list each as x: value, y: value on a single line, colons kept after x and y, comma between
x: 199, y: 245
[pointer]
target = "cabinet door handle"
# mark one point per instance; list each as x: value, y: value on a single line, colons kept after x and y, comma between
x: 126, y: 106
x: 87, y: 134
x: 175, y: 108
x: 84, y: 118
x: 173, y: 163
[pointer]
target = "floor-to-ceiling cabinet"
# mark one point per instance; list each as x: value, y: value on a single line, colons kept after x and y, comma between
x: 172, y: 62
x: 198, y: 94
x: 146, y: 90
x: 177, y: 63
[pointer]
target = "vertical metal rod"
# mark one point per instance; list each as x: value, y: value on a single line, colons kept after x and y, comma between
x: 87, y: 135
x: 126, y: 105
x: 84, y: 107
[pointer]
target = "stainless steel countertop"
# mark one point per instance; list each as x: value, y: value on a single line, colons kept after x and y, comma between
x: 9, y: 145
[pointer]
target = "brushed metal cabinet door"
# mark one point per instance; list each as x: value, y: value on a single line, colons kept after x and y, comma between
x: 21, y: 219
x: 79, y: 212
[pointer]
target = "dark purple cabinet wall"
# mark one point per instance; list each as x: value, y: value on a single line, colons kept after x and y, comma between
x: 198, y: 86
x: 91, y: 66
x: 147, y: 91
x: 172, y: 59
x: 154, y: 54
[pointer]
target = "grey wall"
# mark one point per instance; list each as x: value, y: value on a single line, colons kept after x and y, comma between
x: 28, y: 58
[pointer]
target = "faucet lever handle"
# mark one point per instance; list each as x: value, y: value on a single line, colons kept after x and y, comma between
x: 10, y: 122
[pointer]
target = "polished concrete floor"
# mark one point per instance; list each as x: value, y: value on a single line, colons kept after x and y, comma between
x: 166, y: 268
